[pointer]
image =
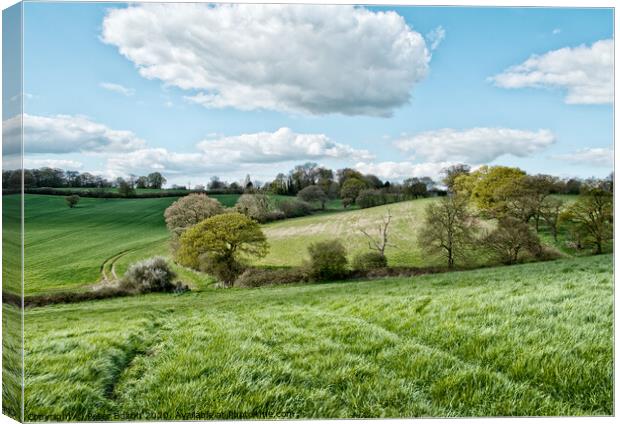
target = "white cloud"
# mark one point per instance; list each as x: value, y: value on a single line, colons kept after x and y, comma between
x: 436, y: 36
x: 585, y: 72
x: 475, y: 145
x: 402, y: 170
x: 65, y: 164
x: 117, y: 88
x: 313, y: 59
x: 223, y: 154
x: 595, y: 156
x: 65, y: 134
x: 281, y: 145
x: 556, y: 31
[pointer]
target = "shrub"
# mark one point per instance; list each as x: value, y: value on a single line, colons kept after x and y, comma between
x: 369, y: 198
x: 72, y: 200
x: 369, y: 260
x: 189, y: 211
x: 255, y: 206
x: 150, y: 275
x: 275, y: 215
x: 328, y: 260
x: 295, y: 208
x: 220, y: 244
x: 254, y: 277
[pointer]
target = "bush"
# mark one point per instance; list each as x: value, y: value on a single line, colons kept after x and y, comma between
x: 370, y: 198
x: 255, y: 206
x: 150, y: 275
x: 369, y: 260
x: 72, y: 200
x: 295, y: 208
x: 254, y: 277
x: 275, y: 216
x: 328, y: 260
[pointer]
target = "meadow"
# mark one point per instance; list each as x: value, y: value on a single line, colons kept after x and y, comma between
x: 72, y: 249
x: 533, y: 339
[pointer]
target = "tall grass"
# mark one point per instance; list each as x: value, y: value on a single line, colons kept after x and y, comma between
x: 531, y: 339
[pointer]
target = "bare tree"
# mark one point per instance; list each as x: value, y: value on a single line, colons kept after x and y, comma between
x: 550, y: 211
x: 382, y: 242
x: 449, y: 229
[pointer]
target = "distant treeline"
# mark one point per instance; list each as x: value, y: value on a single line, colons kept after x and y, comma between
x: 347, y: 184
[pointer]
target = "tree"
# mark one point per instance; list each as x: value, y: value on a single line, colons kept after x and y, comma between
x: 373, y: 181
x: 590, y: 218
x: 221, y: 244
x: 450, y: 174
x: 381, y: 243
x: 254, y: 206
x: 72, y: 200
x: 142, y: 182
x: 125, y: 188
x: 486, y: 186
x: 215, y: 183
x: 370, y: 197
x: 156, y: 180
x: 550, y: 212
x: 189, y: 211
x: 414, y: 187
x: 346, y: 173
x: 448, y: 229
x: 510, y: 239
x: 313, y: 193
x: 350, y: 190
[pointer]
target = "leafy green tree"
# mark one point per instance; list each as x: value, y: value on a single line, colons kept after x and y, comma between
x: 72, y: 200
x: 350, y: 190
x: 448, y: 229
x: 487, y: 186
x: 312, y: 194
x: 220, y: 245
x: 590, y: 218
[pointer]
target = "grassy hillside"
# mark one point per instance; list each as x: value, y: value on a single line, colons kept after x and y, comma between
x: 66, y: 248
x: 69, y: 248
x: 532, y: 339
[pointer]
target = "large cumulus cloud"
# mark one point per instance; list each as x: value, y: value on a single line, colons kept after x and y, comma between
x: 314, y: 59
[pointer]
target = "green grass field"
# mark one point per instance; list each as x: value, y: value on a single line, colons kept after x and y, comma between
x: 70, y: 249
x: 67, y: 248
x: 532, y: 339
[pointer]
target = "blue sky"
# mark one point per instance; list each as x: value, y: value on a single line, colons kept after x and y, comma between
x: 84, y: 84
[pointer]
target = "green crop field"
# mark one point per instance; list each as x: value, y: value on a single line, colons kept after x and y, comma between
x: 532, y: 339
x: 67, y: 248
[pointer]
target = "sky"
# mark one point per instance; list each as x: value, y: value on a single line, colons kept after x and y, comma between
x: 197, y: 90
